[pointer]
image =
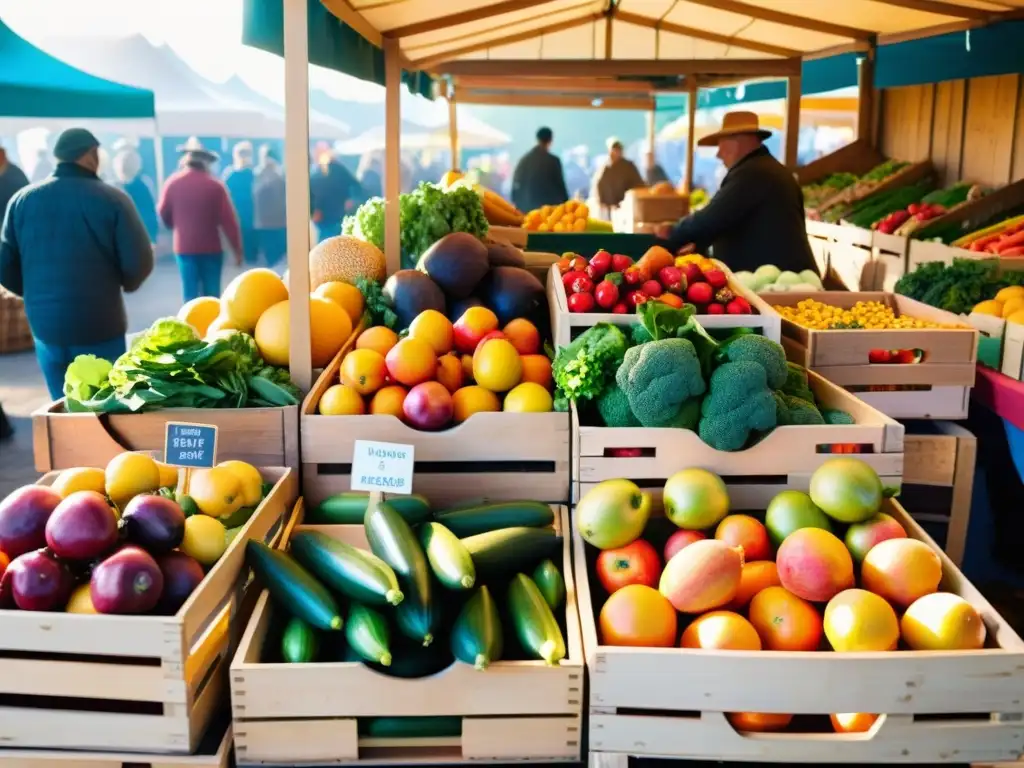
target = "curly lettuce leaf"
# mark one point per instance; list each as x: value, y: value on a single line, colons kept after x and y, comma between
x: 86, y: 376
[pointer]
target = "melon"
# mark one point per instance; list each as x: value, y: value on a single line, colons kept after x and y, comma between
x: 344, y: 259
x: 702, y: 576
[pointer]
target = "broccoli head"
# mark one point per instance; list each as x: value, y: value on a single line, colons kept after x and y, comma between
x: 687, y: 417
x: 757, y: 349
x: 797, y: 384
x: 613, y: 407
x: 658, y: 377
x: 835, y: 416
x: 738, y: 402
x: 796, y: 411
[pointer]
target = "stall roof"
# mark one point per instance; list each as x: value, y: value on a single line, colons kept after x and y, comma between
x: 321, y: 126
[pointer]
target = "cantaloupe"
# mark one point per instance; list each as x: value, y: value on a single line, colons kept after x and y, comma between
x: 344, y: 259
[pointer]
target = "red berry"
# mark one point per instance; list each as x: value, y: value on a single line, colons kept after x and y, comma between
x: 606, y: 294
x: 738, y: 306
x: 570, y: 276
x: 620, y: 308
x: 633, y: 298
x: 652, y: 288
x: 582, y: 284
x: 581, y: 302
x: 716, y: 278
x: 716, y: 309
x: 621, y: 263
x: 601, y: 261
x: 699, y: 293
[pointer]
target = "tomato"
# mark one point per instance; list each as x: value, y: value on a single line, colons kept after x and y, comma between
x: 635, y: 563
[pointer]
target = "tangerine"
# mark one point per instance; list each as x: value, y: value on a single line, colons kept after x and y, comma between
x: 364, y: 370
x: 411, y: 362
x: 346, y: 296
x: 852, y: 722
x: 388, y: 401
x: 524, y: 336
x: 758, y: 721
x: 746, y: 532
x: 721, y: 631
x: 536, y: 368
x: 434, y: 328
x: 379, y: 338
x: 857, y: 620
x: 638, y: 616
x: 784, y: 621
x: 755, y: 576
x: 473, y: 399
x: 496, y: 365
x: 528, y: 397
x: 329, y: 329
x: 341, y: 400
x: 901, y: 570
x: 449, y: 372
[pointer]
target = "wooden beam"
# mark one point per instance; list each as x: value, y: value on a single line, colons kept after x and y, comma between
x: 792, y: 120
x: 788, y: 19
x: 652, y: 132
x: 547, y: 100
x: 463, y: 17
x: 343, y: 10
x: 609, y: 25
x: 453, y: 130
x: 557, y: 84
x: 392, y: 155
x: 691, y: 131
x: 941, y: 8
x: 865, y: 96
x: 700, y: 34
x: 620, y: 67
x: 857, y: 46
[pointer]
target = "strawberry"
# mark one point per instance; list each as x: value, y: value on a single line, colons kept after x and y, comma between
x: 620, y: 308
x: 716, y: 278
x: 699, y: 293
x: 601, y: 261
x: 582, y: 284
x: 606, y: 294
x: 652, y: 288
x: 672, y: 278
x: 691, y: 272
x: 621, y: 263
x: 716, y: 309
x: 570, y: 276
x: 738, y: 306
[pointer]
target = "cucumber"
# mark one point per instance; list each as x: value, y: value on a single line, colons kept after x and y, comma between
x: 411, y: 660
x: 292, y: 586
x: 299, y: 643
x: 354, y: 572
x: 476, y: 634
x: 549, y: 581
x: 349, y: 508
x: 416, y: 727
x: 447, y: 556
x: 466, y: 521
x: 393, y: 541
x: 509, y: 550
x: 366, y: 631
x: 535, y: 625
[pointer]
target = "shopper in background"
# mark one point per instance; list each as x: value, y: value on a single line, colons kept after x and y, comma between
x: 653, y: 172
x: 269, y: 208
x: 538, y: 179
x: 197, y: 208
x: 615, y: 177
x: 69, y: 245
x: 128, y: 178
x: 239, y: 179
x: 370, y: 175
x: 333, y: 192
x: 12, y: 178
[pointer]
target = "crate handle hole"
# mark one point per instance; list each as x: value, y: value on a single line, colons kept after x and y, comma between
x: 845, y: 448
x: 630, y: 453
x: 912, y: 356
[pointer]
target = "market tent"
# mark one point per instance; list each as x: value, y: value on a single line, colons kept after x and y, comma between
x: 321, y: 126
x: 474, y: 135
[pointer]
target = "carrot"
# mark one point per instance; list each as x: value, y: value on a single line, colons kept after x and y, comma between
x: 1016, y: 251
x: 1011, y: 241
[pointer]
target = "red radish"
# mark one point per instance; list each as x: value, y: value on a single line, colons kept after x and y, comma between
x: 601, y: 261
x: 738, y: 306
x: 716, y: 278
x: 633, y: 298
x: 621, y: 263
x: 581, y: 302
x: 699, y: 293
x: 606, y: 294
x: 692, y: 273
x: 716, y: 309
x: 620, y: 308
x: 571, y: 276
x: 582, y: 285
x: 652, y: 288
x: 633, y: 277
x: 672, y: 279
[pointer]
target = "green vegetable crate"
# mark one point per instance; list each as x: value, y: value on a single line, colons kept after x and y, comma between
x: 787, y: 457
x: 132, y: 684
x: 315, y: 713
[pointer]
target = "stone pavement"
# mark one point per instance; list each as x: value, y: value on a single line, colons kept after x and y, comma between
x: 22, y: 389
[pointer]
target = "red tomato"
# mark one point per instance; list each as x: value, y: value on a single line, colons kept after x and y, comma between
x: 635, y: 563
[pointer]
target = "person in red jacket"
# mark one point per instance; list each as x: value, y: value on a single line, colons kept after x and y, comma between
x: 197, y: 208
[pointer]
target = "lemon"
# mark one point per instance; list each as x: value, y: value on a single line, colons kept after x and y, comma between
x: 1017, y: 318
x: 205, y: 539
x: 80, y: 479
x: 990, y: 307
x: 217, y: 492
x: 200, y: 313
x: 1010, y: 292
x: 250, y: 294
x: 249, y: 477
x: 528, y: 397
x: 80, y: 601
x: 168, y: 475
x: 340, y: 400
x: 129, y: 474
x: 1012, y: 305
x: 346, y: 296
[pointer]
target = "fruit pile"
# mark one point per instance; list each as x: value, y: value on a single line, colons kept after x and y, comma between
x: 120, y: 540
x: 919, y: 212
x: 873, y: 315
x: 432, y: 588
x: 819, y: 571
x: 769, y: 279
x: 613, y: 283
x: 1008, y: 304
x: 571, y: 216
x: 443, y: 372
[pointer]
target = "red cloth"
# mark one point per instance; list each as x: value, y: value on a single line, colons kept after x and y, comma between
x: 196, y: 206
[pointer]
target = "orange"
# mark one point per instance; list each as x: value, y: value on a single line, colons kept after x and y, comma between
x: 758, y: 721
x: 251, y: 294
x: 755, y: 576
x: 346, y: 296
x: 857, y: 620
x: 1009, y: 292
x: 379, y: 337
x: 990, y: 307
x: 901, y: 570
x: 364, y: 370
x: 528, y: 398
x: 721, y: 631
x: 536, y: 368
x: 524, y: 336
x: 199, y: 313
x: 329, y: 326
x: 467, y: 367
x: 784, y: 621
x: 389, y: 401
x: 496, y: 365
x: 852, y: 722
x: 340, y: 400
x: 411, y: 362
x: 942, y: 622
x: 638, y: 616
x: 470, y: 400
x: 449, y: 372
x: 1011, y: 306
x: 435, y: 329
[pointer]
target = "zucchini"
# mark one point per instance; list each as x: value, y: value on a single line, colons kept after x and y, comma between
x: 535, y: 625
x: 416, y: 727
x: 411, y: 660
x: 448, y: 557
x: 549, y: 581
x: 476, y: 634
x: 292, y: 586
x: 366, y: 631
x: 299, y: 643
x: 349, y: 508
x: 481, y: 518
x: 508, y: 550
x: 354, y: 572
x: 393, y: 541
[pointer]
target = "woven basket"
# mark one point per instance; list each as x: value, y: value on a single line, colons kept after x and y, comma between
x: 15, y: 335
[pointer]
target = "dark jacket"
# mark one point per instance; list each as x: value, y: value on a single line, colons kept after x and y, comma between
x: 755, y: 218
x: 239, y: 182
x: 613, y: 180
x: 655, y: 175
x: 12, y: 178
x: 330, y: 192
x: 69, y: 245
x: 538, y: 180
x: 269, y: 198
x: 140, y: 193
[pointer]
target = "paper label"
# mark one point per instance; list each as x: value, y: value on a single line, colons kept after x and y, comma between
x: 190, y: 445
x: 385, y: 467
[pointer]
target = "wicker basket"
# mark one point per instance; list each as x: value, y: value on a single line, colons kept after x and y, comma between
x: 15, y: 335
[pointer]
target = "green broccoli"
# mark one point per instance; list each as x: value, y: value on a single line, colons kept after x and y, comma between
x: 797, y: 384
x: 583, y: 369
x: 757, y: 349
x: 658, y: 377
x: 837, y: 417
x: 738, y: 403
x: 613, y: 406
x: 688, y: 416
x: 796, y: 411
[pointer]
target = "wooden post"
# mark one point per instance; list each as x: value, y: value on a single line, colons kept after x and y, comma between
x: 652, y: 131
x: 296, y: 166
x: 691, y: 130
x: 392, y: 154
x: 792, y: 120
x: 453, y: 129
x: 866, y: 96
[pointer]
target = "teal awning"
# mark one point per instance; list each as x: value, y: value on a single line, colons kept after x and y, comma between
x: 35, y: 84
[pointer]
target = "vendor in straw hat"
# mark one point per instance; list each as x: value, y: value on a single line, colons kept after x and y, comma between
x: 757, y: 215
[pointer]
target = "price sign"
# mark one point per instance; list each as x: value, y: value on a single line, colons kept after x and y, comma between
x: 190, y: 445
x: 385, y: 467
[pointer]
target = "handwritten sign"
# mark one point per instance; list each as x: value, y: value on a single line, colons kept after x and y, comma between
x: 385, y: 467
x: 190, y: 445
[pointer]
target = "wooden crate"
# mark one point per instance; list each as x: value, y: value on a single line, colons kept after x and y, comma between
x: 786, y: 458
x: 857, y: 157
x: 146, y: 684
x: 851, y: 256
x: 566, y: 325
x: 910, y: 174
x: 298, y: 714
x: 263, y: 437
x: 888, y: 260
x: 641, y: 205
x: 820, y: 237
x: 509, y: 454
x: 972, y: 215
x: 15, y: 335
x: 841, y: 356
x: 937, y: 707
x: 512, y: 235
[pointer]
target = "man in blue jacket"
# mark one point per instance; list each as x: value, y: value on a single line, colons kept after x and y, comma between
x: 240, y: 181
x: 69, y: 245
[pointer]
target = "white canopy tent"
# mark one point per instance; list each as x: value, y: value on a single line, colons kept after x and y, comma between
x: 472, y: 134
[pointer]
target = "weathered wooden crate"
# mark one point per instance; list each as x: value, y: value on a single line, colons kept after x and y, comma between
x: 888, y: 260
x: 506, y: 453
x: 857, y: 157
x: 820, y: 237
x: 302, y: 714
x: 566, y: 325
x: 147, y: 684
x: 642, y: 210
x: 951, y: 707
x: 786, y: 458
x: 263, y: 437
x: 841, y: 356
x: 851, y: 256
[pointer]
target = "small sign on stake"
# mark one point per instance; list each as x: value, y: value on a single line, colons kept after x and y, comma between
x: 190, y: 445
x: 384, y: 467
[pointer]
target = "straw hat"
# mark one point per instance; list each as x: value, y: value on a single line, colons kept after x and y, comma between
x: 735, y: 124
x: 195, y: 147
